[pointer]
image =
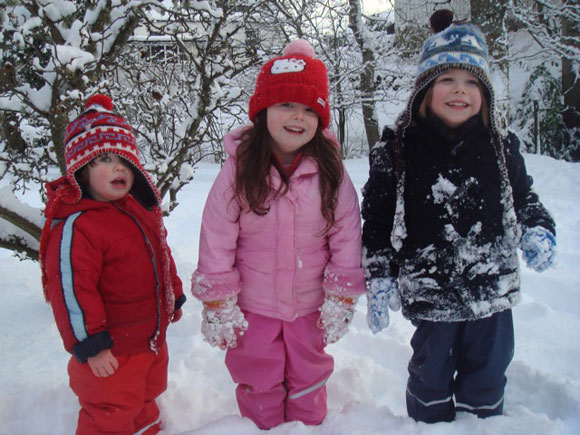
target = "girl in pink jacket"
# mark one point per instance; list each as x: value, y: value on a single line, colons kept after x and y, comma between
x: 279, y: 268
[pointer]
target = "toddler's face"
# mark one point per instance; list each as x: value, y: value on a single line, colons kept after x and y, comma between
x: 291, y: 125
x: 456, y: 97
x: 109, y: 177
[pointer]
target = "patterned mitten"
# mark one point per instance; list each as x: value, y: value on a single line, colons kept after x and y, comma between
x: 336, y: 313
x: 382, y: 294
x: 221, y: 320
x: 538, y: 248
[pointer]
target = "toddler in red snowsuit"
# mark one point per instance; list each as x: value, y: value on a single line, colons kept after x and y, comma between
x: 108, y: 274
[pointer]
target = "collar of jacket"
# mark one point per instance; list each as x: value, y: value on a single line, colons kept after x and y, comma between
x: 307, y: 166
x: 437, y: 135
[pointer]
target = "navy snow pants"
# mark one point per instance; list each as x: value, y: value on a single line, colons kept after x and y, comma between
x: 465, y: 359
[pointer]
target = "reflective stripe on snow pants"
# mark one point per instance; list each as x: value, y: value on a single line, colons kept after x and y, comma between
x: 467, y: 360
x: 281, y: 370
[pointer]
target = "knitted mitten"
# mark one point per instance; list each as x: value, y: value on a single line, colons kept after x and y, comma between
x: 336, y: 313
x: 382, y: 294
x: 538, y: 248
x: 221, y: 321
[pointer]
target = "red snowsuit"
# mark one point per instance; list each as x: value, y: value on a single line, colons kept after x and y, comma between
x: 112, y: 284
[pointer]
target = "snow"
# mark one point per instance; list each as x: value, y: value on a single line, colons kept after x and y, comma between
x: 57, y: 11
x: 74, y: 58
x: 13, y: 204
x: 442, y: 190
x: 366, y: 393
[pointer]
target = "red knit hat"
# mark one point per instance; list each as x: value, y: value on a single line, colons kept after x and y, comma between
x: 96, y: 131
x: 296, y: 77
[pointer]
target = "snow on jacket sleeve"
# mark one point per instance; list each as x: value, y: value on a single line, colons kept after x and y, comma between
x: 378, y: 210
x: 73, y: 268
x: 344, y: 275
x: 529, y: 210
x: 216, y: 277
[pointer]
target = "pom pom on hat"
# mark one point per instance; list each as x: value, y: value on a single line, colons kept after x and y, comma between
x: 296, y: 76
x: 440, y: 20
x: 96, y: 131
x: 99, y: 101
x: 299, y: 46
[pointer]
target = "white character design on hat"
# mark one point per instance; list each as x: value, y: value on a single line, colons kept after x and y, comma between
x: 282, y: 66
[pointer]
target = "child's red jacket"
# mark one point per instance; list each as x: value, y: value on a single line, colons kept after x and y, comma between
x: 110, y: 277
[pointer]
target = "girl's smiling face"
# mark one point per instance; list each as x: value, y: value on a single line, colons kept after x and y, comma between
x: 109, y: 177
x: 291, y: 126
x: 456, y: 97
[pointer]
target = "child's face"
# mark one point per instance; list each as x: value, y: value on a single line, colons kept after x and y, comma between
x: 291, y: 125
x: 456, y: 97
x: 109, y: 177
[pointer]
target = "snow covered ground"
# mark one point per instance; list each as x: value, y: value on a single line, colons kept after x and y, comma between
x: 366, y: 393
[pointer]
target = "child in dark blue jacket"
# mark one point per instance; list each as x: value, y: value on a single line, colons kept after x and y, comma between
x: 446, y: 206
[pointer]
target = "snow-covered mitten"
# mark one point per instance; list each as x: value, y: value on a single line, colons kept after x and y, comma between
x: 382, y: 294
x: 221, y: 321
x: 538, y: 248
x: 336, y: 313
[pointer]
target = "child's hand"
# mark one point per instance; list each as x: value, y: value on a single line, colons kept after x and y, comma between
x: 221, y: 321
x: 382, y: 294
x: 103, y: 364
x: 176, y: 316
x: 336, y: 313
x: 538, y: 248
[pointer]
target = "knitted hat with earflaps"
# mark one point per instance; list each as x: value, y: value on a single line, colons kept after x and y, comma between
x: 453, y: 45
x: 99, y: 130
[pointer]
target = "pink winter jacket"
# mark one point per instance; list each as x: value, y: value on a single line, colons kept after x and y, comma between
x: 278, y: 264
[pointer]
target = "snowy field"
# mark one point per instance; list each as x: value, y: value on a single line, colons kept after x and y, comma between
x: 366, y: 393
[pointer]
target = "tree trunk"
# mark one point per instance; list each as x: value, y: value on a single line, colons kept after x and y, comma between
x: 367, y: 75
x: 341, y: 126
x: 571, y: 88
x: 490, y: 17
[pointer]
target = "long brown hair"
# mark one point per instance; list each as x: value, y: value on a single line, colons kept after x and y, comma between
x: 254, y: 159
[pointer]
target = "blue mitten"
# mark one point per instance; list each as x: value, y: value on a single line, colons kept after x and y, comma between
x: 382, y: 294
x: 538, y: 248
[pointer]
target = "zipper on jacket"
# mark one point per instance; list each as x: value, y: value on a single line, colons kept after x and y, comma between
x: 153, y: 339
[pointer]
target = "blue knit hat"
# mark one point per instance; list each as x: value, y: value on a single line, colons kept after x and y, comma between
x: 456, y: 45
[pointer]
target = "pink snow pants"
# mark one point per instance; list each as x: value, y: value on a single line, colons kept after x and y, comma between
x: 123, y: 403
x: 281, y: 370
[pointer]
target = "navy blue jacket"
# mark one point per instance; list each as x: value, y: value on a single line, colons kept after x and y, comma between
x: 455, y: 262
